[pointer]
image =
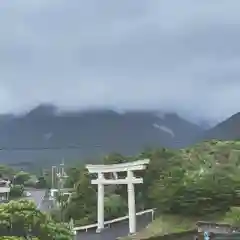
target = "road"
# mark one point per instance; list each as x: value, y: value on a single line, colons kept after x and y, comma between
x: 37, y: 195
x: 116, y: 230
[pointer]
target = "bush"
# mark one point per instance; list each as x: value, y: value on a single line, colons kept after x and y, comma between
x: 179, y: 193
x: 16, y: 191
x: 115, y: 206
x: 23, y: 216
x: 233, y: 216
x: 56, y: 215
x: 15, y: 238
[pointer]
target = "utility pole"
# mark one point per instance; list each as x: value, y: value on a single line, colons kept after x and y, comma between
x: 53, y: 176
x: 61, y: 175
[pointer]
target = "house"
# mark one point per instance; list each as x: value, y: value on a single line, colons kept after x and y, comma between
x: 4, y: 189
x: 217, y: 231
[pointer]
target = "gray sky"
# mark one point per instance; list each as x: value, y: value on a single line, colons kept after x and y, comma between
x: 171, y: 55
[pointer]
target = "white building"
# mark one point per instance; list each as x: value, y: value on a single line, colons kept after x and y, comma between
x: 4, y: 189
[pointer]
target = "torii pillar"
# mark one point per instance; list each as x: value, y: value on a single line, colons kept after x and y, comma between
x: 130, y: 180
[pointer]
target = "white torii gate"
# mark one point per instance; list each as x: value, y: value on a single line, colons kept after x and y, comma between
x: 130, y: 180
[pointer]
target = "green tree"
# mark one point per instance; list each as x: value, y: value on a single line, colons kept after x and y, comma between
x: 196, y: 187
x: 42, y: 183
x: 21, y: 177
x: 82, y: 203
x: 115, y: 206
x: 161, y: 162
x: 73, y: 176
x: 115, y: 158
x: 20, y: 217
x: 233, y: 216
x: 16, y: 191
x: 16, y: 238
x: 6, y: 172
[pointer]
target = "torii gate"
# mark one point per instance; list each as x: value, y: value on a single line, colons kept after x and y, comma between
x: 130, y: 180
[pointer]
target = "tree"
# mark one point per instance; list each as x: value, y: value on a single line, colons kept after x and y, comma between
x: 15, y: 238
x: 6, y: 172
x: 161, y: 162
x: 233, y: 216
x: 19, y: 218
x: 115, y: 206
x: 73, y: 176
x: 82, y: 203
x: 42, y: 182
x: 16, y: 191
x: 196, y: 182
x: 21, y: 177
x: 115, y: 158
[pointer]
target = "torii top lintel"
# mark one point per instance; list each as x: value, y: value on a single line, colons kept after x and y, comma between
x: 121, y: 167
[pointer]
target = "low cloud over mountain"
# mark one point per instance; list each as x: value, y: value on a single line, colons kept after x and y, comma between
x: 177, y: 56
x: 42, y: 135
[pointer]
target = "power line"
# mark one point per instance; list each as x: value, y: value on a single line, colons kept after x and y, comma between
x: 42, y: 148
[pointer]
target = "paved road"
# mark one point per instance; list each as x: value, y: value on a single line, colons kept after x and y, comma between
x: 37, y: 195
x: 116, y: 230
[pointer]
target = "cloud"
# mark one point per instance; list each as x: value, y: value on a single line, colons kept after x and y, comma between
x: 172, y: 55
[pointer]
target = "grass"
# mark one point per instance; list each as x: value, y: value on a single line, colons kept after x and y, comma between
x: 164, y: 225
x: 167, y: 224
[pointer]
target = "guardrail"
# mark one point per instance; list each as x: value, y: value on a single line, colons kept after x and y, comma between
x: 109, y: 222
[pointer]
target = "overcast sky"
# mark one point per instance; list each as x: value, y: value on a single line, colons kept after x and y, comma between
x: 172, y: 55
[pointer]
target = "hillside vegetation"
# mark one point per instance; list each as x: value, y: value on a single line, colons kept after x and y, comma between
x: 201, y: 182
x: 192, y: 183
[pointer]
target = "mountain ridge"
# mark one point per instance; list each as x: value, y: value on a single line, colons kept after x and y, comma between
x: 228, y: 129
x: 94, y: 133
x: 46, y: 135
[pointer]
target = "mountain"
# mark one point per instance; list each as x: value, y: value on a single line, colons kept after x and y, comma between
x: 226, y: 130
x: 44, y: 134
x: 206, y: 125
